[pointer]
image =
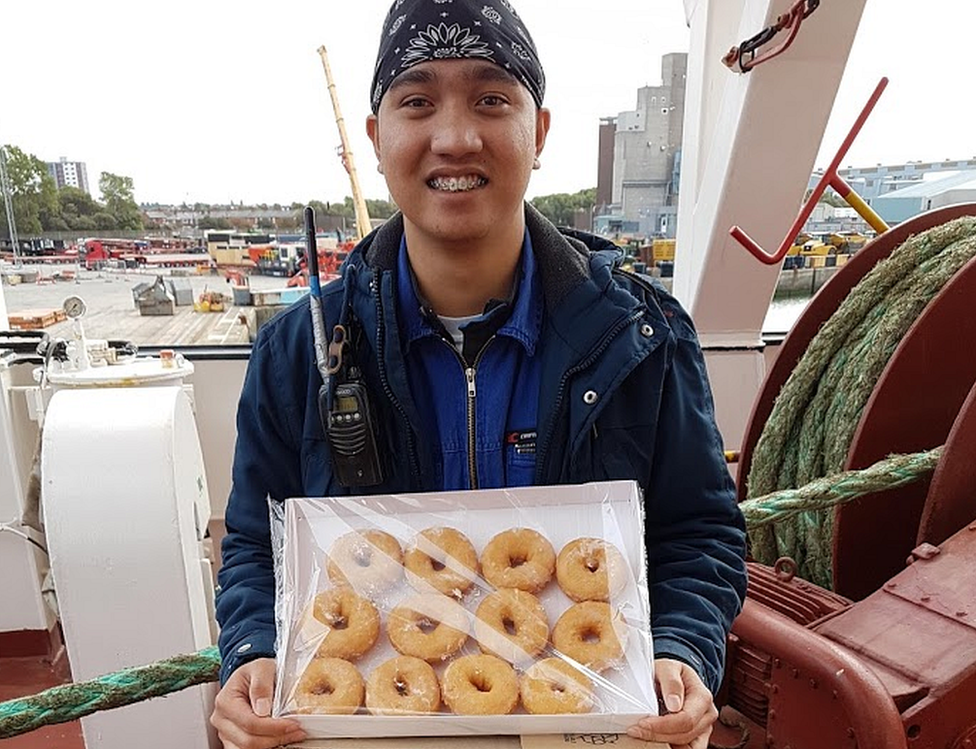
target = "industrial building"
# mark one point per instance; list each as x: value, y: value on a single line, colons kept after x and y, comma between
x: 874, y: 181
x: 640, y: 159
x: 925, y: 195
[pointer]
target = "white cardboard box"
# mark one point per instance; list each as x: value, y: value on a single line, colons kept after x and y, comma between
x: 610, y: 510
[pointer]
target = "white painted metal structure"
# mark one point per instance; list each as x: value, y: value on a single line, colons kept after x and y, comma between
x: 126, y: 508
x: 747, y: 158
x: 23, y: 565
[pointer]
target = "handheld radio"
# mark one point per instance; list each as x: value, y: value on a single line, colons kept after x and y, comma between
x: 347, y: 418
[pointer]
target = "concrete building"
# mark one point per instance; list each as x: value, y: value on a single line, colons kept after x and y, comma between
x: 874, y: 181
x: 69, y: 174
x: 926, y: 195
x: 643, y: 177
x: 829, y: 219
x: 604, y: 177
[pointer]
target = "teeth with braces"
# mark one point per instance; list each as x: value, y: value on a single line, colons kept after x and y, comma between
x: 457, y: 184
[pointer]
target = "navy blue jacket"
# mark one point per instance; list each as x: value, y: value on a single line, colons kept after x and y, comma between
x: 652, y: 420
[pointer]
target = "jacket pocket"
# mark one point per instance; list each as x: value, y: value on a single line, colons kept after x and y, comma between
x: 519, y: 464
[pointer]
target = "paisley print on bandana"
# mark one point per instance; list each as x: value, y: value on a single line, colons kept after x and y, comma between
x: 491, y: 14
x: 444, y: 42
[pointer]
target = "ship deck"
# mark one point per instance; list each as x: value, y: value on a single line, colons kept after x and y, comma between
x: 30, y: 674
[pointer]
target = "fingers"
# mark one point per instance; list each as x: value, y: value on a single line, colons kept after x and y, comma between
x: 669, y: 678
x: 699, y: 743
x: 689, y: 726
x: 677, y: 729
x: 235, y: 710
x: 261, y: 688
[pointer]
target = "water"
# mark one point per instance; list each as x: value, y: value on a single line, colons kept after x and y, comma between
x: 782, y: 313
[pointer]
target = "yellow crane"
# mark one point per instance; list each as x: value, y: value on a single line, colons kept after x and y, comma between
x: 359, y: 202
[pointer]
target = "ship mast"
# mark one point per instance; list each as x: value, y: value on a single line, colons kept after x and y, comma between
x: 359, y: 203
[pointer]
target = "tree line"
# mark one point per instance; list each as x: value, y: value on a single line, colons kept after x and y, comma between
x: 380, y: 209
x: 39, y: 206
x: 563, y: 208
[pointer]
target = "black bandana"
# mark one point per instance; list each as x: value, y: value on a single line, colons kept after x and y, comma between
x: 417, y: 31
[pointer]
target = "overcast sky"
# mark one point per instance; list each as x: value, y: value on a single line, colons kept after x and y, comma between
x: 218, y: 101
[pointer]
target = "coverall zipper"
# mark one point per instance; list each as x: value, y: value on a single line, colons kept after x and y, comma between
x: 470, y: 373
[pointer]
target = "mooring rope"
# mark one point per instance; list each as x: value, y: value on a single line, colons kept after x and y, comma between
x: 72, y: 701
x: 812, y: 423
x: 830, y: 491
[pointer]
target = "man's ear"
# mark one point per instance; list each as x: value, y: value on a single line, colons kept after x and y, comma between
x: 542, y: 117
x: 373, y: 131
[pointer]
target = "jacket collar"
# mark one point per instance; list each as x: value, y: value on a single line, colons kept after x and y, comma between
x: 523, y: 310
x: 561, y: 271
x: 568, y: 261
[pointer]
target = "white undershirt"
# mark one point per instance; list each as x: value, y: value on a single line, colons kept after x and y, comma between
x: 453, y: 326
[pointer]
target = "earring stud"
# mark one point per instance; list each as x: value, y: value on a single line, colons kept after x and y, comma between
x: 537, y: 164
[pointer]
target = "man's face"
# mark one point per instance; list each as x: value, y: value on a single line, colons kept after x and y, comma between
x: 456, y: 140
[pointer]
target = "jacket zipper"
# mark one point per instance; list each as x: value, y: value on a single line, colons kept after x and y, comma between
x: 469, y: 377
x: 387, y: 390
x: 601, y: 347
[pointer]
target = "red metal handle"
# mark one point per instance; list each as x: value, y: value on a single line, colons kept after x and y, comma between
x: 772, y: 259
x: 866, y: 704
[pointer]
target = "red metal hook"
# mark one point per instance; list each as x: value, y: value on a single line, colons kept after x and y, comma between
x: 790, y: 21
x: 830, y: 177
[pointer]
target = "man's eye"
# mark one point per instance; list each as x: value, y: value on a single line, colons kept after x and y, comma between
x: 492, y: 100
x: 415, y: 102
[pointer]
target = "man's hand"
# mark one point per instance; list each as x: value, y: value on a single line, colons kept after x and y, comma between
x: 691, y: 712
x: 242, y: 709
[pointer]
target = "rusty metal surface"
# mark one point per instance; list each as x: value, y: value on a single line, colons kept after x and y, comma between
x: 911, y: 635
x: 912, y: 408
x: 805, y: 711
x: 820, y: 308
x: 748, y: 680
x: 951, y: 501
x: 967, y: 740
x: 808, y: 715
x: 793, y: 597
x: 944, y: 583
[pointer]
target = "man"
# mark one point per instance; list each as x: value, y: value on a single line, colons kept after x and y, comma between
x: 471, y: 304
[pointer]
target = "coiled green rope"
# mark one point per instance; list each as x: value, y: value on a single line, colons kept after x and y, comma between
x: 810, y: 429
x: 72, y: 701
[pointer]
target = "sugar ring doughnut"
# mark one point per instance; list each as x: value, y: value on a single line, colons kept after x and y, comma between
x: 370, y: 561
x: 352, y: 624
x: 519, y: 558
x: 442, y: 559
x: 591, y: 633
x: 329, y: 685
x: 431, y: 627
x: 480, y: 685
x: 511, y: 624
x: 403, y: 685
x: 591, y: 569
x: 554, y: 687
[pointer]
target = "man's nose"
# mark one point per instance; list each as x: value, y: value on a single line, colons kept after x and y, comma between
x: 456, y: 133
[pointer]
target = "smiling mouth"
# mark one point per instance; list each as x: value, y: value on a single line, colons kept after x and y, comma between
x: 457, y: 184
